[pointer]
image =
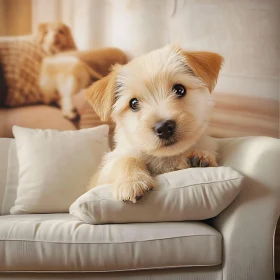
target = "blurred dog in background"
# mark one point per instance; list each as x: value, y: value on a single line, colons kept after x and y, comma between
x: 55, y: 37
x: 66, y: 73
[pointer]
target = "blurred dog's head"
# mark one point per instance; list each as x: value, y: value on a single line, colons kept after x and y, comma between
x: 161, y: 101
x: 55, y: 37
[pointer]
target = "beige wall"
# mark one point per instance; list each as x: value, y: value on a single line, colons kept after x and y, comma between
x: 15, y: 17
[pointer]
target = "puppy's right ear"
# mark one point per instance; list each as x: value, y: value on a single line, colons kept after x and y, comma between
x: 101, y: 95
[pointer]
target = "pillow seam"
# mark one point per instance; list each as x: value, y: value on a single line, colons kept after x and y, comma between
x: 208, y: 183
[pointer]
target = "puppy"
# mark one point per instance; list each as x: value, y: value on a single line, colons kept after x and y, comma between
x: 161, y: 105
x: 54, y: 37
x: 66, y: 73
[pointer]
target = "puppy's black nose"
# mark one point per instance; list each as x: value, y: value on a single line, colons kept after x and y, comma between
x: 165, y: 129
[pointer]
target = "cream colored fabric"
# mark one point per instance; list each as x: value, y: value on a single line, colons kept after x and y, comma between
x: 190, y: 194
x: 8, y: 174
x: 186, y: 273
x: 4, y: 155
x: 55, y: 166
x: 61, y: 242
x: 248, y: 224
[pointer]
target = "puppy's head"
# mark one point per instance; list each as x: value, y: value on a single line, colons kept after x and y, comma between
x: 55, y: 37
x: 161, y: 101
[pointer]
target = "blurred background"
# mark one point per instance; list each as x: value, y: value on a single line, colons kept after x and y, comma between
x: 245, y: 32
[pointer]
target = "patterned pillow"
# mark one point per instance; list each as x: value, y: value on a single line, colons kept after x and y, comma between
x: 21, y: 58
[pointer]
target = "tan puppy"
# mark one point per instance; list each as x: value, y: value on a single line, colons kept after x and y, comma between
x: 55, y: 37
x: 161, y: 104
x: 66, y: 73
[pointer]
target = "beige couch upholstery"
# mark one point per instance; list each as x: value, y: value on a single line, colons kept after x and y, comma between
x: 237, y: 244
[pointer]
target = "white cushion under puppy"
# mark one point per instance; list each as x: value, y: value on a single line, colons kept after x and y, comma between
x: 190, y: 194
x: 55, y: 166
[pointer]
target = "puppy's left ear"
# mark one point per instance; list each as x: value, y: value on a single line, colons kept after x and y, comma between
x: 206, y: 65
x: 101, y: 95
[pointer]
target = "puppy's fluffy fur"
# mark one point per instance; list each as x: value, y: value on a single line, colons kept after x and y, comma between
x: 140, y: 153
x: 66, y: 73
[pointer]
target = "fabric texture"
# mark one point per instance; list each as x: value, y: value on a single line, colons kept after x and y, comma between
x: 60, y: 242
x: 20, y: 60
x: 55, y: 166
x: 8, y: 175
x: 190, y: 194
x: 183, y: 273
x: 247, y: 226
x: 4, y: 155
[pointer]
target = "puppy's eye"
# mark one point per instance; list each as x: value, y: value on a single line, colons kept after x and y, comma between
x: 134, y: 104
x: 179, y: 90
x: 61, y: 31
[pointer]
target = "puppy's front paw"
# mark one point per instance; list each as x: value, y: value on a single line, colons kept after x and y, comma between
x: 199, y: 158
x: 133, y: 191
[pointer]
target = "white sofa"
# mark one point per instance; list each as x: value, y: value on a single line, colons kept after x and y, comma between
x: 237, y: 244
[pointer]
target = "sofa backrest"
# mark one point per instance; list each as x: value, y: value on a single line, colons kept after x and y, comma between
x: 8, y: 174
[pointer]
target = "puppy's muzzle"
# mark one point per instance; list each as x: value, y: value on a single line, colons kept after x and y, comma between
x: 165, y: 129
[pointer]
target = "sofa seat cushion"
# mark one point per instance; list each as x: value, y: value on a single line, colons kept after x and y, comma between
x: 61, y: 242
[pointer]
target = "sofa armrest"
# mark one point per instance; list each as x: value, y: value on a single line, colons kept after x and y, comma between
x: 248, y: 224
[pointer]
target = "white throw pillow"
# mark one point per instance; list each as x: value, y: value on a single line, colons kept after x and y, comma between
x: 55, y: 166
x: 190, y: 194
